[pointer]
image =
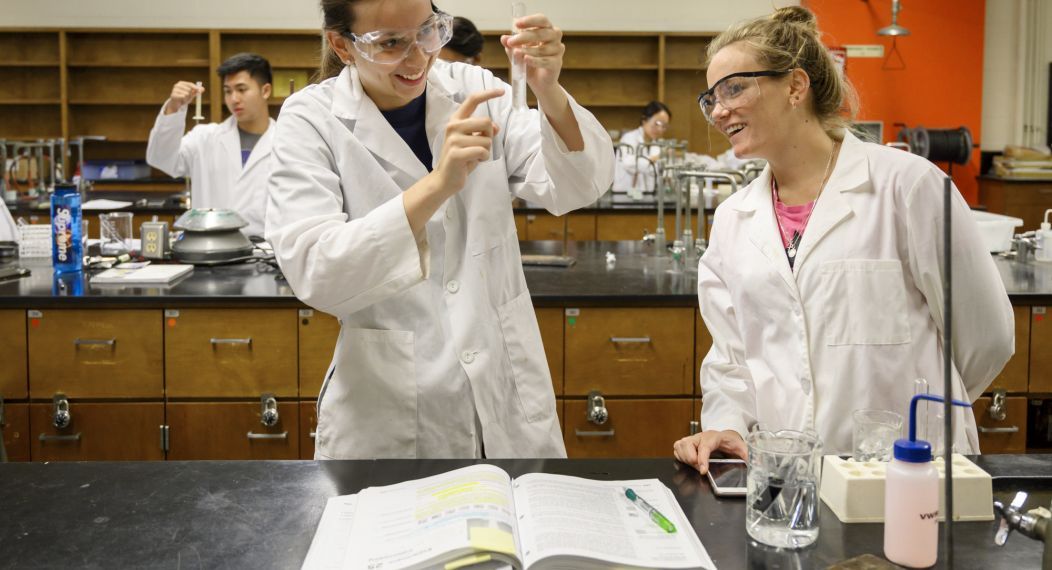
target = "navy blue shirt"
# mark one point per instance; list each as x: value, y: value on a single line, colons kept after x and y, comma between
x: 408, y: 122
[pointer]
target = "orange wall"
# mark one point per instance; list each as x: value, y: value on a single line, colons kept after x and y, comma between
x: 941, y: 85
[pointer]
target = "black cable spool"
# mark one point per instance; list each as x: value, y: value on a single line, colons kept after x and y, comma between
x: 939, y: 145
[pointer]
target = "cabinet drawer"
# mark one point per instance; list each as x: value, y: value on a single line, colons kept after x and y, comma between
x: 635, y: 428
x: 308, y: 427
x: 13, y: 384
x: 542, y: 225
x: 318, y: 333
x: 1014, y: 377
x: 630, y: 226
x: 630, y: 351
x: 16, y: 431
x: 1040, y: 350
x: 98, y: 432
x: 550, y: 322
x: 230, y: 352
x: 1005, y: 436
x: 702, y: 344
x: 96, y: 354
x: 520, y: 226
x: 231, y: 430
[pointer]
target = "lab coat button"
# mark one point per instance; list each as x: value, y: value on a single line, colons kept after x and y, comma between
x: 805, y: 384
x: 467, y: 357
x: 453, y: 286
x: 450, y: 213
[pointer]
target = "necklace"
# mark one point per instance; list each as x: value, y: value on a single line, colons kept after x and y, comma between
x: 794, y: 242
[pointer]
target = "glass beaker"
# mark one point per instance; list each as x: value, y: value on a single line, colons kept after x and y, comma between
x: 781, y: 502
x: 874, y: 434
x: 115, y: 231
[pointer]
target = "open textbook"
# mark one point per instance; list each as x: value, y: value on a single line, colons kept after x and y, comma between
x: 479, y: 517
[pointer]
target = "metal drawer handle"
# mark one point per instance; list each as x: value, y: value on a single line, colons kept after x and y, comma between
x: 630, y: 339
x: 216, y: 341
x: 588, y: 433
x: 282, y: 435
x: 95, y: 341
x: 46, y: 437
x: 313, y: 435
x: 1010, y: 429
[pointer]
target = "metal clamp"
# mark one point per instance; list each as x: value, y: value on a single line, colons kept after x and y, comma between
x: 597, y: 412
x: 216, y: 341
x: 282, y: 435
x: 268, y: 410
x: 630, y: 339
x: 60, y: 416
x: 998, y: 410
x: 95, y: 341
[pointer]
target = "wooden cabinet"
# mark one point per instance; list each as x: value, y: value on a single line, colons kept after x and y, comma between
x: 98, y: 432
x: 1001, y: 436
x: 308, y: 428
x: 542, y: 226
x: 13, y: 379
x: 30, y: 85
x: 550, y: 322
x: 1041, y: 355
x: 318, y: 333
x: 95, y: 353
x: 14, y: 423
x: 1014, y: 377
x: 234, y: 431
x: 631, y: 225
x: 520, y: 226
x: 635, y: 428
x: 230, y: 352
x: 629, y: 351
x: 1024, y: 199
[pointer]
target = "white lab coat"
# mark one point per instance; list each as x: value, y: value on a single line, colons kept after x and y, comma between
x: 211, y: 155
x: 633, y: 172
x: 431, y: 331
x: 860, y: 315
x: 8, y: 229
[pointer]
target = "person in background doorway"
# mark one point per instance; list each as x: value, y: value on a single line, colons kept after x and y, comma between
x: 822, y: 285
x: 390, y: 208
x: 228, y: 163
x: 466, y: 44
x: 634, y: 173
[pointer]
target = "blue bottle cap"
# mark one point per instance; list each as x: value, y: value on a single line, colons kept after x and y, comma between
x: 918, y: 451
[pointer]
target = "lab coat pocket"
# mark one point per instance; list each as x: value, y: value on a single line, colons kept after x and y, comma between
x: 864, y: 302
x: 529, y: 367
x: 369, y: 405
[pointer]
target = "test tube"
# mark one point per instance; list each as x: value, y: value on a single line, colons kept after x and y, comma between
x: 518, y: 66
x: 197, y: 115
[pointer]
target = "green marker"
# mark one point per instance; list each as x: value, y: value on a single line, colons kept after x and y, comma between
x: 658, y: 518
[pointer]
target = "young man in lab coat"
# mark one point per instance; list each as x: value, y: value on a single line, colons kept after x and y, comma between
x: 229, y: 162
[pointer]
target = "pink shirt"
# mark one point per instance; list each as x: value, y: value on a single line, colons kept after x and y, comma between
x: 792, y: 219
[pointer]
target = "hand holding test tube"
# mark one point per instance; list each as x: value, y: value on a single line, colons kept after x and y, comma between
x: 198, y: 117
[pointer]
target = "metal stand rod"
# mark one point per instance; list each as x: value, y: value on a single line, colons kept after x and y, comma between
x: 947, y: 364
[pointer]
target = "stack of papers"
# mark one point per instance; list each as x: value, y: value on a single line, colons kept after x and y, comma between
x: 150, y: 275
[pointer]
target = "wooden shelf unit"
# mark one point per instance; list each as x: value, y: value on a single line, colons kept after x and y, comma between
x: 112, y: 82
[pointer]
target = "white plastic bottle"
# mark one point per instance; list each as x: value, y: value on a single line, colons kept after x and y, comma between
x: 911, y: 498
x: 911, y: 506
x: 1044, y: 240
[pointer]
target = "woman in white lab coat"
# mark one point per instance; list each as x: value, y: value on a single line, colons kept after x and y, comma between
x: 410, y: 241
x: 835, y: 303
x: 633, y: 173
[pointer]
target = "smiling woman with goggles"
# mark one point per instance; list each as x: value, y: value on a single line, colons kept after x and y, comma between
x: 733, y: 91
x: 392, y: 46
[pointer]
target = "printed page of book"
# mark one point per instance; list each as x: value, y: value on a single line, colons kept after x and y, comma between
x: 329, y: 547
x: 444, y: 517
x: 562, y: 516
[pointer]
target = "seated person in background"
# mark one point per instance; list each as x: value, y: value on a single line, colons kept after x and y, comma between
x: 466, y: 44
x: 228, y: 163
x: 822, y: 282
x: 634, y: 174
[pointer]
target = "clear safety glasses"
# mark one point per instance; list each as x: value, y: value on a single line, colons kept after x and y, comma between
x: 392, y: 46
x: 733, y: 91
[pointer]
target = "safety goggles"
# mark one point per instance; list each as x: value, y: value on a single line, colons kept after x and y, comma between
x: 733, y: 91
x: 660, y: 125
x: 390, y: 47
